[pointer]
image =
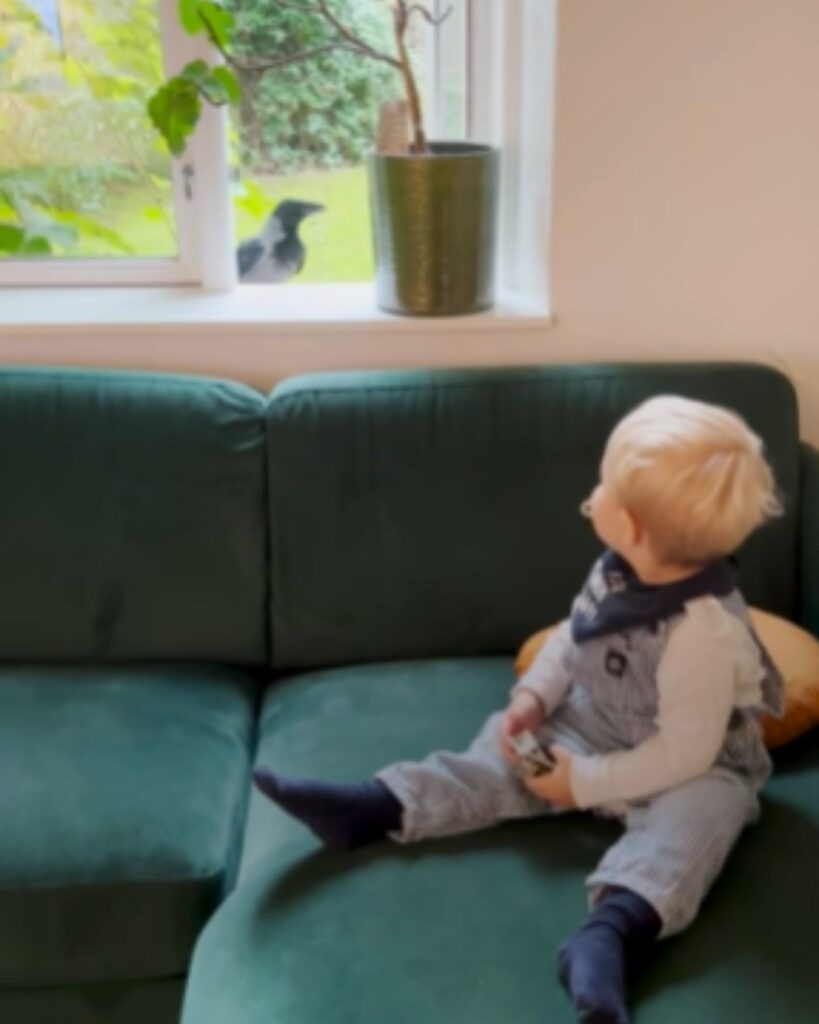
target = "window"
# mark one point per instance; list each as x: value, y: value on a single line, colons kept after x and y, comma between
x: 88, y: 196
x: 303, y: 132
x: 81, y: 176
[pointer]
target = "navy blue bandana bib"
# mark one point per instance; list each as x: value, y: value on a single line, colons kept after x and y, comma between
x: 614, y: 599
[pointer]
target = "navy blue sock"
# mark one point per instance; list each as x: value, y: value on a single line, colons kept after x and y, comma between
x: 615, y: 941
x: 342, y: 816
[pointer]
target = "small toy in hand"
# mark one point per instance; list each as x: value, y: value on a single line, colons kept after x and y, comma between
x: 535, y: 759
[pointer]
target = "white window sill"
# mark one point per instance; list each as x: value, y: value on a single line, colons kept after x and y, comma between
x: 247, y: 311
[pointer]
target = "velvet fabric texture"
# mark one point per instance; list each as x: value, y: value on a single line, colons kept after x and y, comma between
x: 132, y: 519
x: 129, y: 1002
x: 429, y: 514
x: 466, y: 929
x: 122, y: 806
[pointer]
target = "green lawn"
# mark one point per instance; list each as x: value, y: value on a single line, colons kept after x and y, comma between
x: 338, y: 239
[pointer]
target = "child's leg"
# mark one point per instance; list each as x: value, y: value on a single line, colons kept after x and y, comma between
x: 441, y: 795
x: 651, y: 884
x: 449, y: 793
x: 676, y: 843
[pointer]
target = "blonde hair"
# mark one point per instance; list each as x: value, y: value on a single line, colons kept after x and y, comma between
x: 694, y: 476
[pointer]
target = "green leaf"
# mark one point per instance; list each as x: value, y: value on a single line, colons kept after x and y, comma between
x: 218, y: 20
x: 11, y: 238
x: 197, y: 72
x: 189, y: 19
x: 35, y: 245
x: 252, y: 200
x: 158, y: 182
x: 229, y: 83
x: 200, y: 15
x: 78, y: 223
x: 216, y: 88
x: 64, y: 235
x: 175, y: 109
x: 72, y: 70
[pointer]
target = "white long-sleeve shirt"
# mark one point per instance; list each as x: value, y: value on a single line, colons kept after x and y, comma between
x: 710, y: 665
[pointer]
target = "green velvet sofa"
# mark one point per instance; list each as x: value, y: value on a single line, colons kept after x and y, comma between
x: 194, y: 576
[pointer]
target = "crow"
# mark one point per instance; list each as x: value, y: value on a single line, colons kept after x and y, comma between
x: 276, y: 252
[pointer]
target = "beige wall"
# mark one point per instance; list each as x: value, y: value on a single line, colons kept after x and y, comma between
x: 685, y: 219
x: 686, y: 215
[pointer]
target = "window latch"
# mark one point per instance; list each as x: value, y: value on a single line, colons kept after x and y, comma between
x: 188, y: 174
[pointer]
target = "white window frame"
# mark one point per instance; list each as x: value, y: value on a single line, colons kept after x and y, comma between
x: 510, y: 84
x: 201, y: 205
x: 511, y: 74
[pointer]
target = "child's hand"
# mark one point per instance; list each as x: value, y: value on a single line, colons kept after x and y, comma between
x: 554, y: 787
x: 524, y: 712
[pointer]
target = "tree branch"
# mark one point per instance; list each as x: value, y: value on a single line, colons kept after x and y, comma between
x: 351, y: 37
x: 348, y: 40
x: 292, y: 58
x: 427, y: 15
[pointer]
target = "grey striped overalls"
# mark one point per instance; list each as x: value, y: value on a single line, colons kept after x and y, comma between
x: 675, y: 842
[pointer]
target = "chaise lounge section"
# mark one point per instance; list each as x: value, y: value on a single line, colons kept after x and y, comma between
x: 196, y: 577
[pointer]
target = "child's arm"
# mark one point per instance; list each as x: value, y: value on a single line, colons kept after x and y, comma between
x: 538, y: 692
x: 548, y: 676
x: 697, y: 684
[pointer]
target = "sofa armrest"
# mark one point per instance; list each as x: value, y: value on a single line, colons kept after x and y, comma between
x: 809, y: 538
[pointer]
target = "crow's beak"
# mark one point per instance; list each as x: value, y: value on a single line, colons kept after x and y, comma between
x: 308, y: 208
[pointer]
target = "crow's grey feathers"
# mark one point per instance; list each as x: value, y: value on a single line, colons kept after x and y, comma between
x: 276, y: 252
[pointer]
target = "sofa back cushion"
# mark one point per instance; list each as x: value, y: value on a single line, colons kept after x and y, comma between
x: 421, y: 514
x: 131, y: 518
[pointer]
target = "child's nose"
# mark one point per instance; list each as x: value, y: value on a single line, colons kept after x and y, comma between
x: 586, y: 508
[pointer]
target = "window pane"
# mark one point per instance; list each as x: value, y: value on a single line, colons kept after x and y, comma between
x: 452, y: 73
x: 303, y: 132
x: 81, y: 171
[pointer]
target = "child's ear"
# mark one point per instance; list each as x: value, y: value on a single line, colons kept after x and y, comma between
x: 631, y: 527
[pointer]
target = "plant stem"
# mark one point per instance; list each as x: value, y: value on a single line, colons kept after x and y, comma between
x: 419, y: 140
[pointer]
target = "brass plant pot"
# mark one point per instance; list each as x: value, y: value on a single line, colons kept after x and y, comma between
x: 434, y: 229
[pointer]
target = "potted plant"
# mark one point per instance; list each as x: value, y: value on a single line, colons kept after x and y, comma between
x: 434, y: 204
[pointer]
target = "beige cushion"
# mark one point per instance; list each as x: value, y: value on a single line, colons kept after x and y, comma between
x: 795, y: 653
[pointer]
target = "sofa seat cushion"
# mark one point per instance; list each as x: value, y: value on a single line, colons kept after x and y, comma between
x: 464, y: 930
x: 121, y: 805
